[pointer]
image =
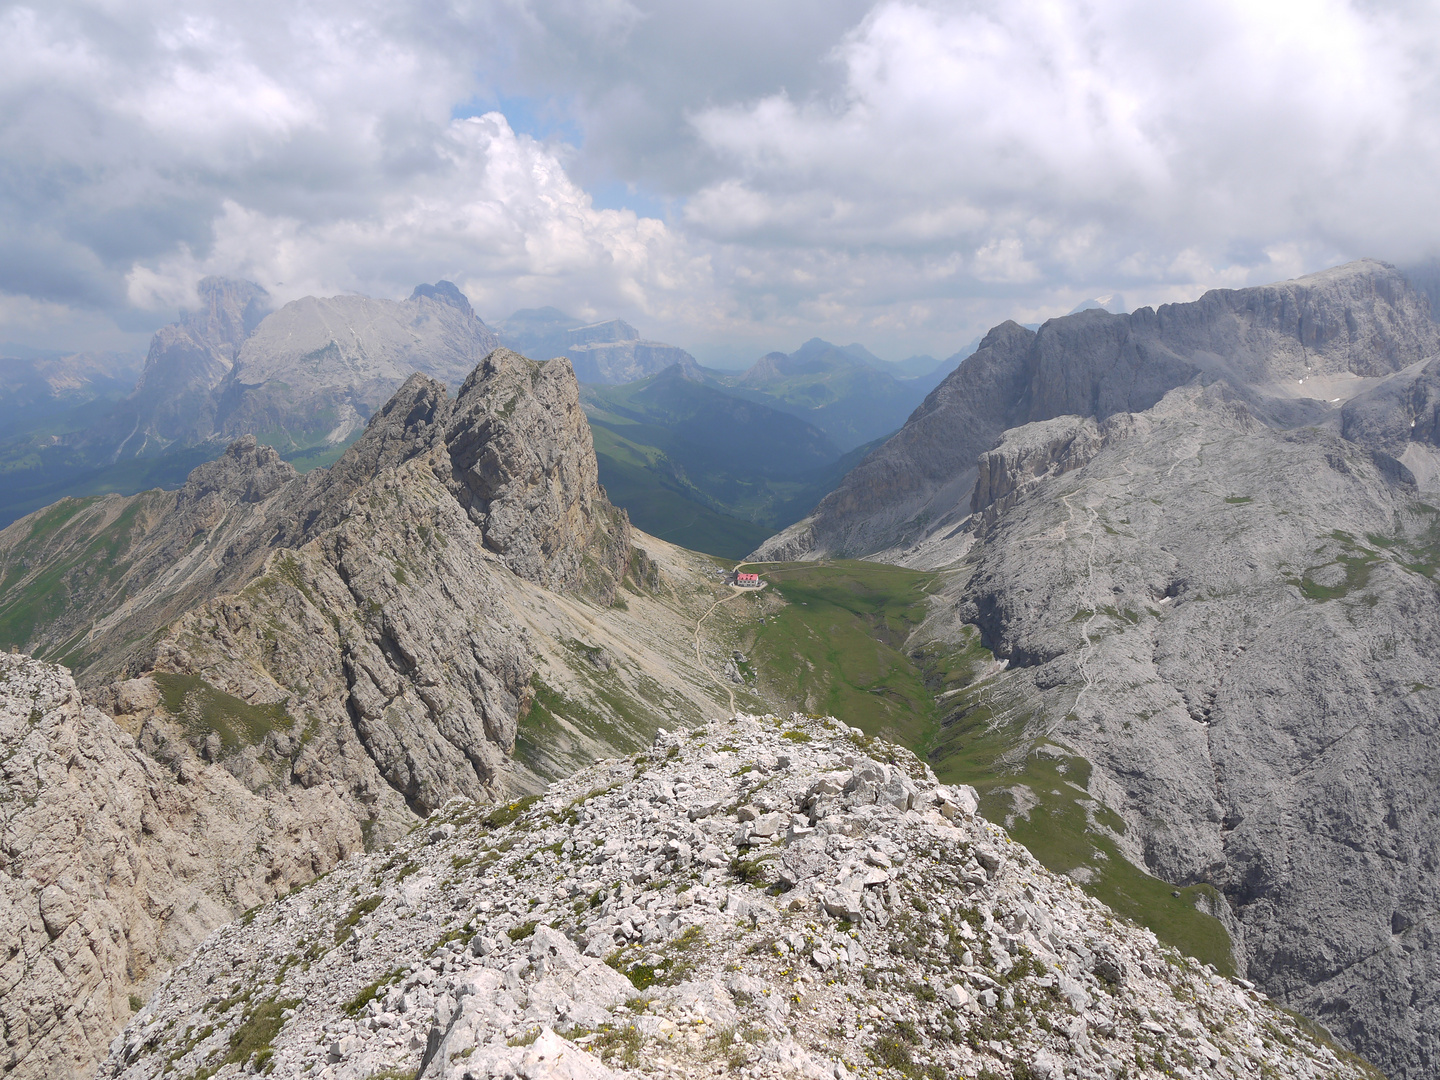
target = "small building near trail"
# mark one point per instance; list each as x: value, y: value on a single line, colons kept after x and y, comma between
x: 748, y: 581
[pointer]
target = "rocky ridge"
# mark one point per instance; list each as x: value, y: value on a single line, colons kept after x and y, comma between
x: 511, y: 454
x: 297, y: 667
x: 777, y: 897
x: 1342, y: 330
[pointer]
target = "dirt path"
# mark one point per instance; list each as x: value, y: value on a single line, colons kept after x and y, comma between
x: 701, y: 660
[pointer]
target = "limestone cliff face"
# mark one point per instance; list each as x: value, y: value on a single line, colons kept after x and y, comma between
x: 524, y: 468
x: 188, y: 359
x: 114, y: 865
x: 1362, y: 319
x: 1236, y: 629
x: 1029, y: 455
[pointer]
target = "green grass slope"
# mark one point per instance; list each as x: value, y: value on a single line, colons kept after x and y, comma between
x: 835, y: 639
x: 702, y: 468
x: 851, y: 401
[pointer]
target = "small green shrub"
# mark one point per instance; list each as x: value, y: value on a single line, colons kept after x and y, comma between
x: 504, y: 815
x: 366, y: 994
x: 358, y: 912
x: 256, y: 1032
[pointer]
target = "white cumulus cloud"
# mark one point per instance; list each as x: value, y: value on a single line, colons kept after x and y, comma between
x: 904, y: 173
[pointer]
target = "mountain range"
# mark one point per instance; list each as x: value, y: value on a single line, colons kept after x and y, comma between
x: 603, y: 352
x: 716, y: 461
x: 1198, y: 543
x: 701, y: 467
x: 1154, y: 593
x: 304, y: 378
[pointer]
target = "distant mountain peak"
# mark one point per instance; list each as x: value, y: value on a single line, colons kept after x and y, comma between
x: 856, y: 351
x: 230, y: 308
x: 611, y: 330
x: 1114, y: 303
x: 445, y: 292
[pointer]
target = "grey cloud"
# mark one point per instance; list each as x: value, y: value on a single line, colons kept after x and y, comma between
x: 900, y: 173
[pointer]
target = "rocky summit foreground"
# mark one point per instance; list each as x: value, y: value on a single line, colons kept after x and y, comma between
x: 773, y: 897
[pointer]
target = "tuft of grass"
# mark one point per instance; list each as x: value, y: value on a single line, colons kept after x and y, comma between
x: 1357, y: 576
x: 505, y: 815
x: 366, y: 994
x: 252, y: 1038
x: 672, y: 968
x: 618, y: 1043
x: 750, y: 871
x: 523, y: 931
x: 201, y: 708
x: 358, y: 912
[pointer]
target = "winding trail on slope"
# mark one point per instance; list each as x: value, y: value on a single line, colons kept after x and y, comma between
x: 700, y: 660
x: 1081, y: 659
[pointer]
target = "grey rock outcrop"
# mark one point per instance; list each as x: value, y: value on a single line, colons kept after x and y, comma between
x: 524, y: 467
x: 1030, y: 455
x: 364, y: 606
x: 614, y: 352
x: 113, y: 867
x: 735, y: 899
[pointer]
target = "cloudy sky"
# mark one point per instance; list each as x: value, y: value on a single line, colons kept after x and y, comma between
x: 730, y: 177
